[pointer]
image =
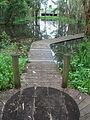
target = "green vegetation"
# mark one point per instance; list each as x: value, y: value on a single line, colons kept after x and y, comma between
x: 21, y: 12
x: 6, y: 70
x: 79, y: 75
x: 18, y: 11
x: 23, y: 20
x: 6, y: 74
x: 62, y: 19
x: 11, y: 10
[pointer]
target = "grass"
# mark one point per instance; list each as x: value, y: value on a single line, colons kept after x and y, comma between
x: 61, y: 18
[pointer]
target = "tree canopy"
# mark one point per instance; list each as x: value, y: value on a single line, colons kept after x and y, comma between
x: 10, y: 10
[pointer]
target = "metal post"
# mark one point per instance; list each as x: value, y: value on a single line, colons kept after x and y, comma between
x: 65, y: 70
x: 15, y: 63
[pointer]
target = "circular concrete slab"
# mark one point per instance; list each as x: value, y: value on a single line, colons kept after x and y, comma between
x: 41, y: 103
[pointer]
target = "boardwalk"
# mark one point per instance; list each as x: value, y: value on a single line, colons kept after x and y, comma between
x: 42, y: 71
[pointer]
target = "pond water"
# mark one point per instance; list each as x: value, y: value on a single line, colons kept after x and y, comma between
x: 43, y: 30
x: 67, y: 47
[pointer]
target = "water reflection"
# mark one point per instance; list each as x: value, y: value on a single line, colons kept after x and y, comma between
x: 43, y: 30
x: 53, y: 29
x: 17, y: 31
x: 48, y: 29
x: 67, y: 47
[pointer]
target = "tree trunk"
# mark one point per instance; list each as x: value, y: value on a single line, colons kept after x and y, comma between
x: 88, y: 22
x: 86, y: 4
x: 36, y: 17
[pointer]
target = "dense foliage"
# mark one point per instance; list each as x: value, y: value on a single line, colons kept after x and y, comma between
x: 6, y: 70
x: 17, y: 9
x: 12, y: 10
x: 79, y: 75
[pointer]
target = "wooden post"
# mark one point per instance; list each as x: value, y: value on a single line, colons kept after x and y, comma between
x: 65, y: 70
x: 15, y: 63
x: 89, y: 87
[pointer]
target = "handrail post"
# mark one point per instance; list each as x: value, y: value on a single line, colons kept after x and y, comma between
x: 65, y: 70
x: 89, y: 87
x: 15, y: 64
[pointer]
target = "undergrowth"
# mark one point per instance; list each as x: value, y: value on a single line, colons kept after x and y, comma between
x: 79, y: 75
x: 6, y: 71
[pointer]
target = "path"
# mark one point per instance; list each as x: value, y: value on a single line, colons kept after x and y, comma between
x: 42, y: 71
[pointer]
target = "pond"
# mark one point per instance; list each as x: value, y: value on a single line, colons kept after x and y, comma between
x: 43, y: 30
x: 67, y: 47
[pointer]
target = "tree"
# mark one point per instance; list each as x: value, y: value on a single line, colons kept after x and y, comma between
x: 44, y: 2
x: 3, y: 9
x: 86, y: 4
x: 16, y: 9
x: 36, y: 9
x: 36, y: 5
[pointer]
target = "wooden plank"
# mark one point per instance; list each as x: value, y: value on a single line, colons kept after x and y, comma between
x: 85, y: 110
x: 84, y: 103
x: 85, y: 117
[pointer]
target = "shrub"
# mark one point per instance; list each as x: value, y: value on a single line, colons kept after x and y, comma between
x: 6, y: 70
x: 5, y: 40
x: 6, y: 75
x: 79, y: 75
